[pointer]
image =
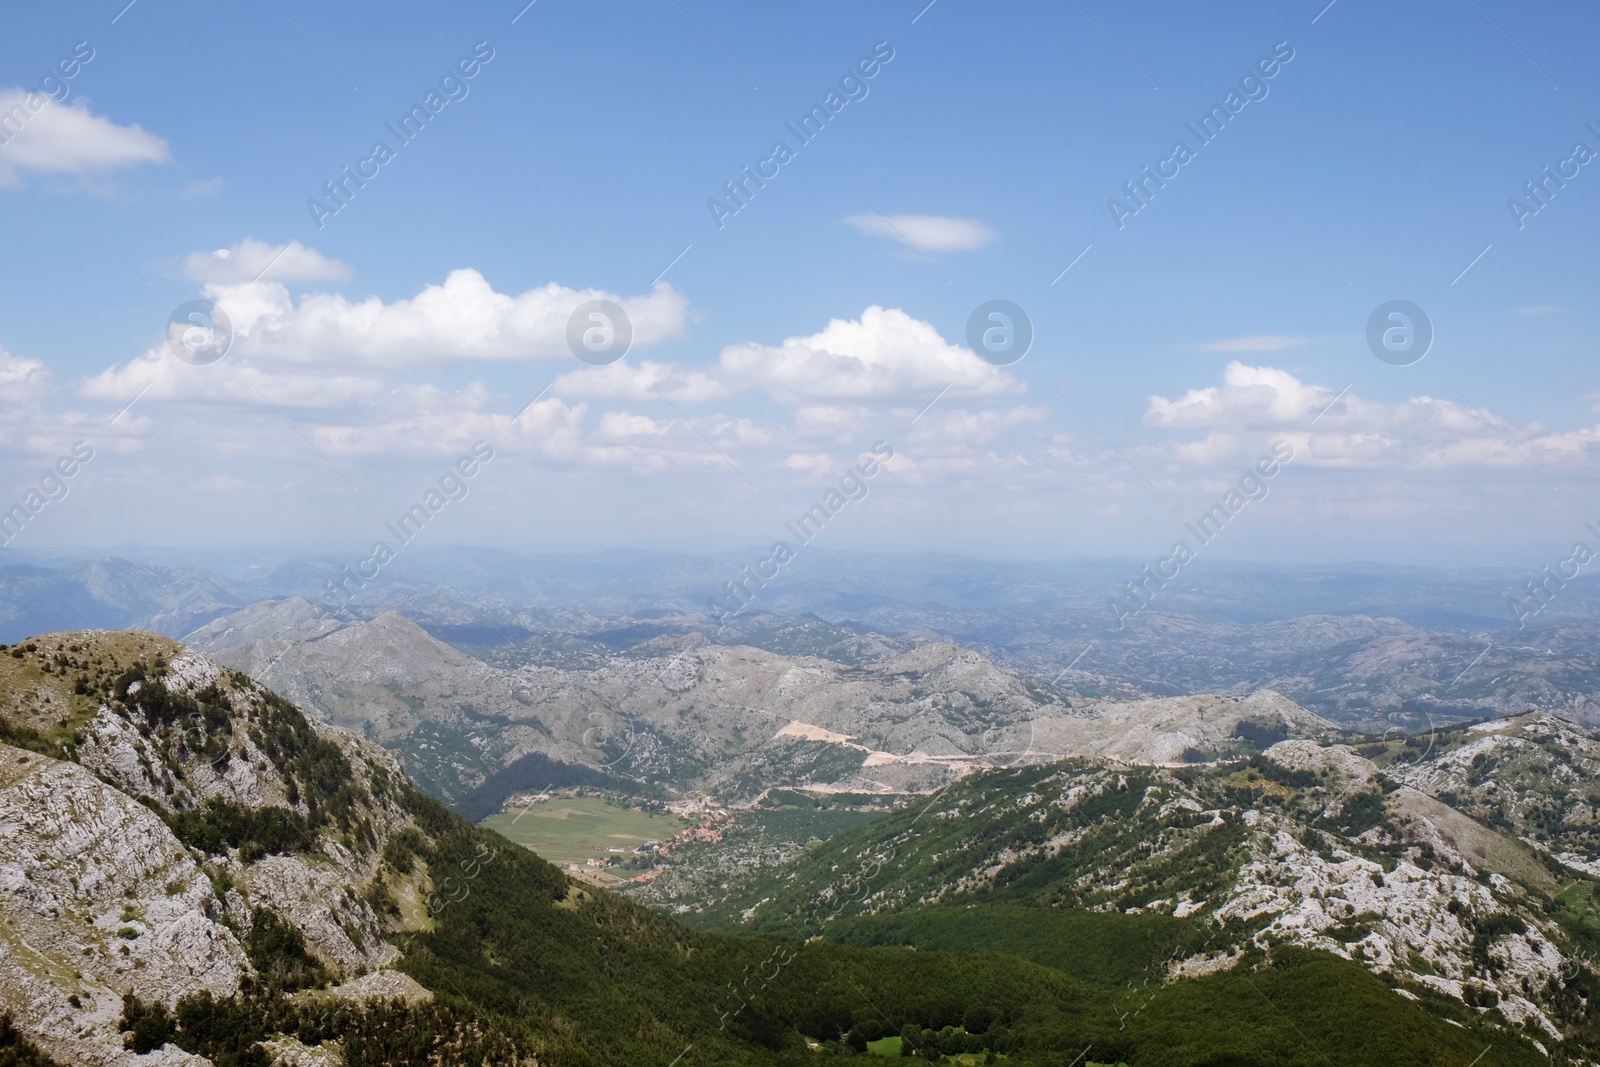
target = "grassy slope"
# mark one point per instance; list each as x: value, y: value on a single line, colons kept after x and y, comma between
x: 607, y: 981
x: 1307, y: 1008
x: 1296, y: 1008
x: 921, y: 852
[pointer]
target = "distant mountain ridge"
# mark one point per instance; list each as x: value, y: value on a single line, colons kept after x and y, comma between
x: 692, y: 715
x: 1362, y: 644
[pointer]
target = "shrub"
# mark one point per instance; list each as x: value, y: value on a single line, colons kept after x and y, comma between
x: 278, y: 953
x: 400, y: 851
x: 256, y: 832
x: 147, y: 1026
x: 17, y: 1051
x: 1261, y: 734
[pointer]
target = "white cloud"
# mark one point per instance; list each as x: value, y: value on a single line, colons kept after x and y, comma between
x: 884, y: 353
x: 815, y: 463
x: 1255, y: 342
x: 929, y: 233
x: 28, y: 426
x: 38, y: 134
x: 1251, y: 396
x: 462, y: 320
x: 22, y: 381
x: 327, y: 351
x: 621, y: 425
x: 1334, y: 429
x: 835, y: 425
x: 953, y: 431
x: 251, y: 260
x: 450, y: 422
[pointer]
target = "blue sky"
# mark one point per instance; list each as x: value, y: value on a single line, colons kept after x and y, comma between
x: 421, y: 318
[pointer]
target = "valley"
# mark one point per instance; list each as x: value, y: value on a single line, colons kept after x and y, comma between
x: 585, y: 835
x: 912, y: 845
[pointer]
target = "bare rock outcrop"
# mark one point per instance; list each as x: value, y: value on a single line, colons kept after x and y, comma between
x: 98, y: 899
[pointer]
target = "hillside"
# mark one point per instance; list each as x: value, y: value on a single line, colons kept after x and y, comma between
x: 112, y: 592
x: 196, y: 872
x: 1464, y: 867
x: 200, y: 851
x: 692, y: 713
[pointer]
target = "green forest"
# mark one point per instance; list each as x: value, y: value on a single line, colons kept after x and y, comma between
x: 525, y: 962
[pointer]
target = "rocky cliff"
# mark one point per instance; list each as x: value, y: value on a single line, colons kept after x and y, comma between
x: 155, y: 811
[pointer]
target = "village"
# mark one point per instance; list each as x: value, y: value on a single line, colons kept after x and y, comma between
x: 606, y: 839
x: 709, y: 824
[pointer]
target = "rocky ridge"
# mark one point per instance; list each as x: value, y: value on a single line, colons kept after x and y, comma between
x: 154, y: 807
x: 1388, y: 859
x: 733, y: 720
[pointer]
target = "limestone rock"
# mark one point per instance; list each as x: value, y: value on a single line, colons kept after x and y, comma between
x: 98, y: 899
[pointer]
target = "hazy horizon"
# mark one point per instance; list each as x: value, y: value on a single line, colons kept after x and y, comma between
x: 187, y: 555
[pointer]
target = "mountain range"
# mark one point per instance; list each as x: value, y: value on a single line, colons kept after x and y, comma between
x: 1358, y: 644
x: 198, y: 871
x: 683, y: 713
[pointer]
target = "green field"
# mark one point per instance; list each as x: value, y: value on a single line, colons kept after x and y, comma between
x: 572, y: 829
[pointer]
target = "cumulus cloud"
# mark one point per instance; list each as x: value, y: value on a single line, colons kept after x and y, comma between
x: 449, y: 422
x: 327, y: 350
x: 930, y: 233
x: 622, y: 425
x: 24, y: 384
x: 1255, y: 342
x: 958, y: 431
x: 251, y: 260
x: 1248, y: 396
x: 38, y: 134
x: 27, y: 423
x: 885, y: 353
x: 462, y: 320
x: 1338, y: 428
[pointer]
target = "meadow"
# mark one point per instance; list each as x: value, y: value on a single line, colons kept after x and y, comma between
x: 573, y: 829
